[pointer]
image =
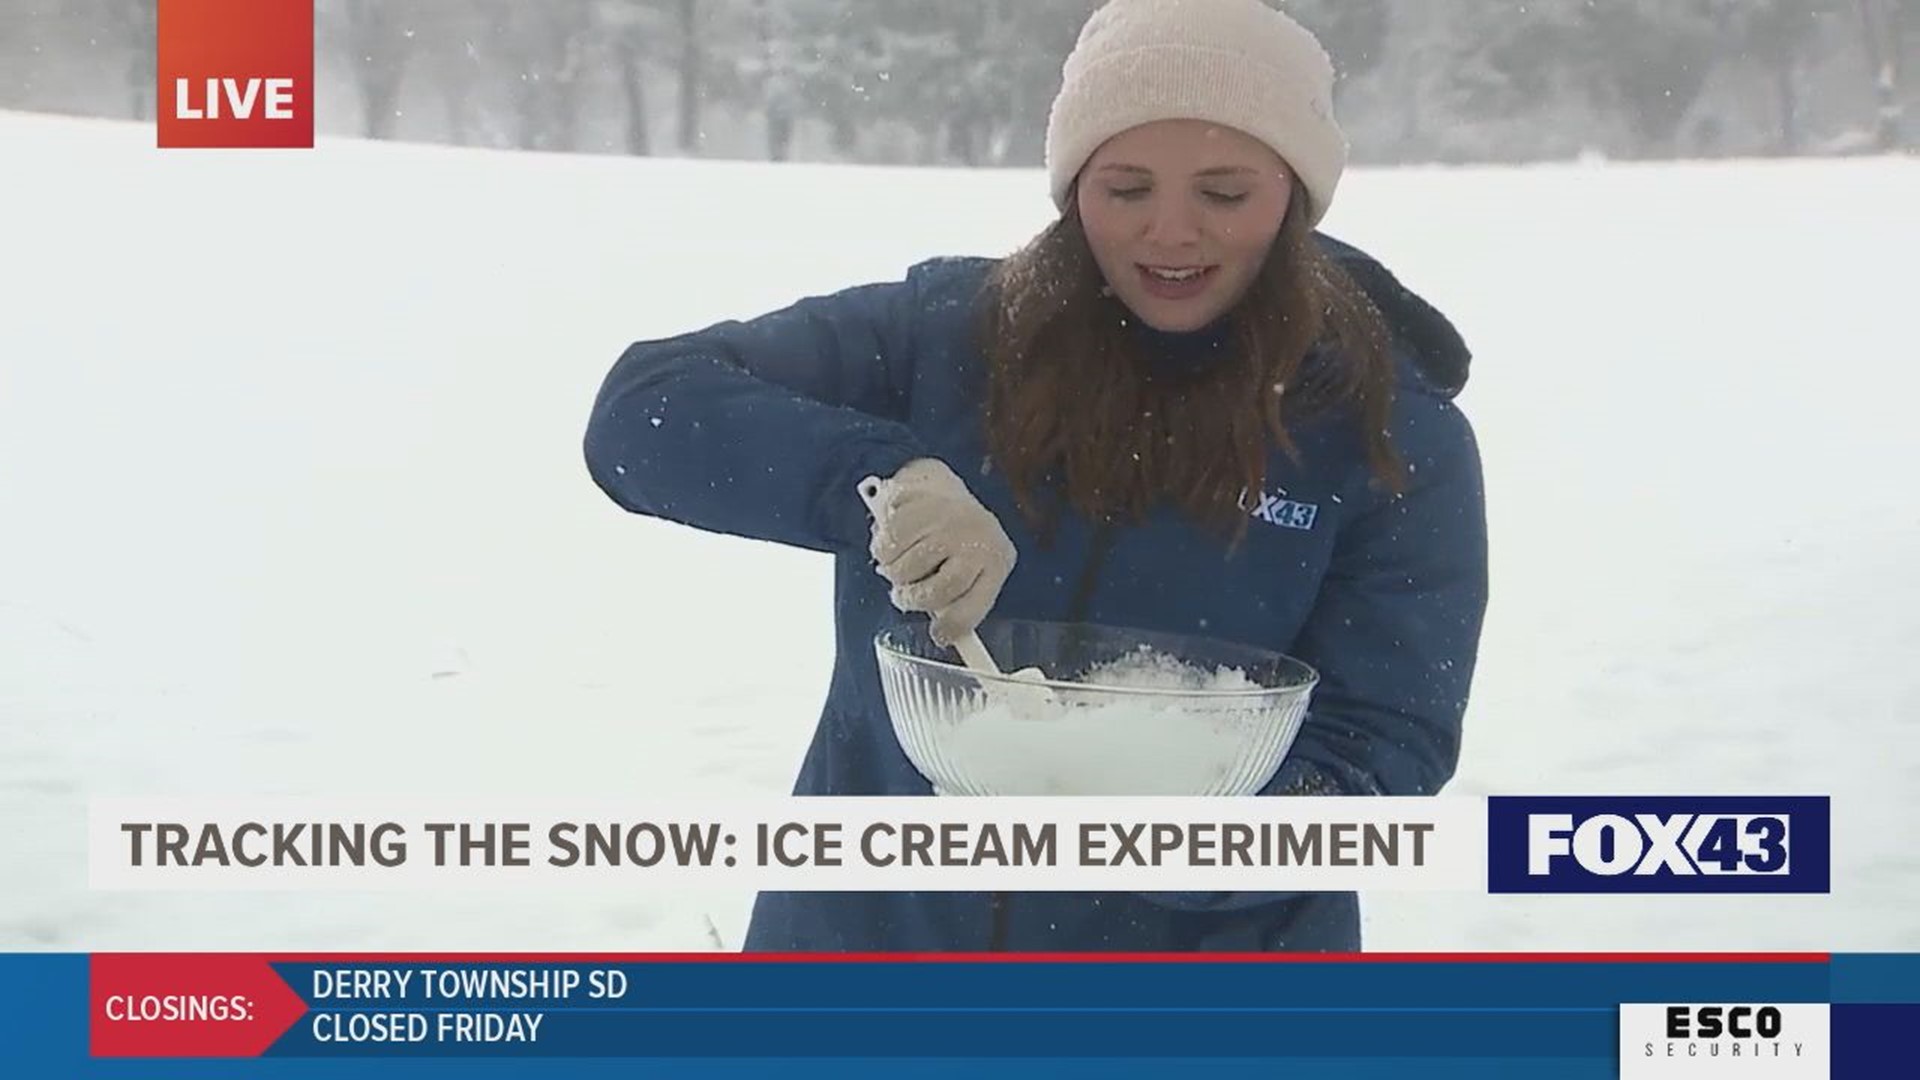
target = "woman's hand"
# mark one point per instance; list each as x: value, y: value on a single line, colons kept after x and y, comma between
x: 944, y: 553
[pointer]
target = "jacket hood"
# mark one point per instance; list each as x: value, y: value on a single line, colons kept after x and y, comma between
x: 1430, y: 339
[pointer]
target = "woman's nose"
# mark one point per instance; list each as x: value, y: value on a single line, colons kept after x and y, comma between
x: 1172, y: 222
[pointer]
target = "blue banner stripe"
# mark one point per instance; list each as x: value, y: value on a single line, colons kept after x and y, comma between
x: 1876, y: 977
x: 1035, y: 1009
x: 846, y: 1069
x: 987, y: 1034
x: 1137, y: 985
x: 1871, y: 1042
x: 44, y: 1004
x: 43, y: 1012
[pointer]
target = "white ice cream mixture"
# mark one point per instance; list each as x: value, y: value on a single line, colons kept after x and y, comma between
x: 1034, y: 742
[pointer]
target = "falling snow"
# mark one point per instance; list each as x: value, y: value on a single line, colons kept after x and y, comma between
x: 1702, y: 577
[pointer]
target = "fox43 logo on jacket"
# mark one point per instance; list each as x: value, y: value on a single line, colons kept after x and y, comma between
x: 235, y: 73
x: 1658, y: 844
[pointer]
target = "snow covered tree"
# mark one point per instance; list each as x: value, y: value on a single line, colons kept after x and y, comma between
x: 1778, y: 37
x: 1501, y: 64
x: 118, y: 39
x: 784, y: 69
x: 979, y: 75
x: 1650, y: 59
x: 139, y: 26
x: 541, y: 52
x: 711, y: 47
x: 1632, y: 70
x: 1886, y: 28
x: 691, y: 65
x: 1353, y: 31
x: 377, y: 37
x: 630, y: 31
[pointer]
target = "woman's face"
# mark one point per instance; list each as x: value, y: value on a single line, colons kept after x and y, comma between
x: 1180, y: 215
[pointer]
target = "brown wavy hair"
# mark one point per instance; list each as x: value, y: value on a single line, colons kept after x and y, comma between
x: 1076, y: 406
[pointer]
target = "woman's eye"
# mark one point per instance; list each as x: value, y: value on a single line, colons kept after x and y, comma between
x: 1128, y: 194
x: 1225, y: 198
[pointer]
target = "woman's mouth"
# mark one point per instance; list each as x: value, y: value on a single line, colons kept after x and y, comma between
x: 1175, y: 282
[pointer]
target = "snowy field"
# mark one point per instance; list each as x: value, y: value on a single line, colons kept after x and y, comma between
x: 291, y: 501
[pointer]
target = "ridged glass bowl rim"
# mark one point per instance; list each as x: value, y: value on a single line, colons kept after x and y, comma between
x: 1308, y: 681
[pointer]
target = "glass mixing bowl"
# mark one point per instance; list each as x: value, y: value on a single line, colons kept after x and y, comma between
x: 1099, y: 710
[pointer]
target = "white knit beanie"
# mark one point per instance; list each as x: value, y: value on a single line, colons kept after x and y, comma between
x: 1238, y: 63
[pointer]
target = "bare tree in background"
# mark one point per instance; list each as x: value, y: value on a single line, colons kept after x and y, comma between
x: 687, y: 14
x: 969, y: 82
x: 1354, y: 32
x: 777, y: 68
x: 1775, y: 36
x: 812, y: 59
x: 839, y: 75
x: 629, y: 44
x: 458, y: 72
x: 1883, y: 26
x: 449, y: 56
x: 1488, y: 65
x: 1651, y: 59
x: 780, y: 87
x: 1416, y: 43
x: 542, y: 52
x: 668, y: 32
x: 946, y: 73
x: 379, y: 40
x: 137, y: 22
x: 631, y: 26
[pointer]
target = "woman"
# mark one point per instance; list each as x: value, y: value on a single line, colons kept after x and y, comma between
x: 1179, y: 408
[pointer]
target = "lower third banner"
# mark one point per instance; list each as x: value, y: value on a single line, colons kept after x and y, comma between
x: 1777, y: 1016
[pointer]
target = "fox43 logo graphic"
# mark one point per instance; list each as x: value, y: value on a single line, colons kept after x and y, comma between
x: 1648, y: 844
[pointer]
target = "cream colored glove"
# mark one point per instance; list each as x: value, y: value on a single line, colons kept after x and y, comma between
x: 944, y: 553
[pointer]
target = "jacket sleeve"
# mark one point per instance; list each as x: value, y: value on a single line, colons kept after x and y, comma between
x: 1395, y: 637
x: 762, y: 428
x: 1395, y: 632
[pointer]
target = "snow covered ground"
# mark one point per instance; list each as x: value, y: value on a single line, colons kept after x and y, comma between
x: 291, y: 502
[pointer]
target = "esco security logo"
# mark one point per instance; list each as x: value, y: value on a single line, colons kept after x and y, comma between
x: 1658, y: 844
x: 1713, y: 1039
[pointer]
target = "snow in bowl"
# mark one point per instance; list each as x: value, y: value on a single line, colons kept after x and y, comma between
x: 1092, y: 710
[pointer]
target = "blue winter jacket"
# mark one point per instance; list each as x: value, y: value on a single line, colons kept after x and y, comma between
x: 762, y: 428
